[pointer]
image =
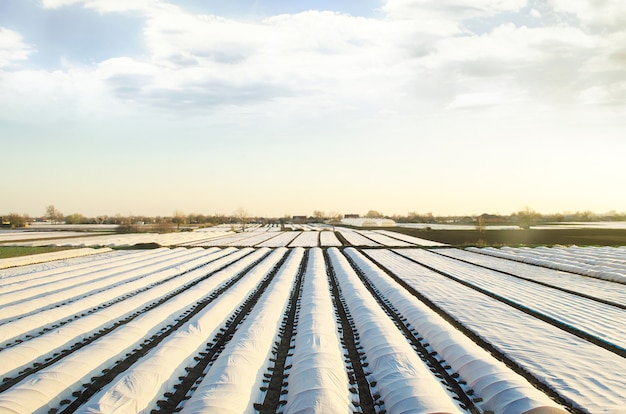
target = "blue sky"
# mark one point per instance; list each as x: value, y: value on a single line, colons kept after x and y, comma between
x: 283, y: 107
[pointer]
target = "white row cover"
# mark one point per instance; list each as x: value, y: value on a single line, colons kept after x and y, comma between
x: 306, y: 239
x: 19, y: 356
x: 357, y: 239
x: 30, y: 323
x: 232, y: 384
x: 15, y: 234
x: 591, y: 377
x: 329, y: 239
x: 603, y: 266
x: 612, y: 256
x: 164, y: 239
x: 405, y: 383
x: 572, y: 310
x: 205, y: 235
x: 59, y: 267
x: 57, y: 290
x: 410, y: 239
x: 48, y: 257
x: 32, y: 276
x: 280, y: 240
x: 253, y: 238
x: 383, y: 239
x: 139, y: 387
x: 502, y: 390
x: 64, y: 292
x: 590, y: 286
x: 45, y: 389
x: 250, y: 237
x: 318, y: 382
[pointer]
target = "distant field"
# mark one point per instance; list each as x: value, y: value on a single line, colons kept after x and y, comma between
x: 16, y: 251
x: 397, y: 236
x: 532, y: 237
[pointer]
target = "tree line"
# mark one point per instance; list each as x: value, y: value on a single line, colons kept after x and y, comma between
x: 240, y: 218
x: 136, y: 223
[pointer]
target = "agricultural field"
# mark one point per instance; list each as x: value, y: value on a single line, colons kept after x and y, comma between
x: 102, y: 239
x: 366, y: 321
x: 220, y: 236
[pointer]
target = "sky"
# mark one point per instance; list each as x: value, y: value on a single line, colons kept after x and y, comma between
x: 454, y: 107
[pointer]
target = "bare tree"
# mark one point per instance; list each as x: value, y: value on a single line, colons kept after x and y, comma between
x: 480, y: 223
x: 335, y: 217
x: 319, y: 216
x: 527, y: 217
x: 53, y: 214
x: 179, y: 218
x: 15, y: 220
x: 242, y: 217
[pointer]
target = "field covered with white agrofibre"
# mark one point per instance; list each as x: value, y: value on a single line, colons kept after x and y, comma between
x: 313, y: 321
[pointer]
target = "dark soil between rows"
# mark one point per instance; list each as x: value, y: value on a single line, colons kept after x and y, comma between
x: 532, y: 237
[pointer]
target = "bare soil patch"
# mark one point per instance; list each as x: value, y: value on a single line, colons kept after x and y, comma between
x: 531, y: 237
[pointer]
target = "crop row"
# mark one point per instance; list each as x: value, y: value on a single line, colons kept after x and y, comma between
x: 297, y: 329
x: 255, y: 236
x: 549, y: 352
x: 607, y: 263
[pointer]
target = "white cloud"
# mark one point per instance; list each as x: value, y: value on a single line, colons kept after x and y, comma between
x: 55, y: 4
x: 202, y: 60
x: 609, y: 55
x: 511, y: 44
x: 418, y: 56
x: 74, y: 94
x: 446, y: 17
x: 541, y: 65
x: 199, y: 38
x: 312, y: 61
x: 605, y: 15
x: 108, y: 6
x: 455, y: 9
x: 478, y: 100
x: 12, y: 48
x: 610, y: 94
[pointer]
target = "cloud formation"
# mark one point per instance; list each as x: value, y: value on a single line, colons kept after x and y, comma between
x: 417, y: 75
x: 600, y: 16
x: 205, y: 61
x: 13, y: 49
